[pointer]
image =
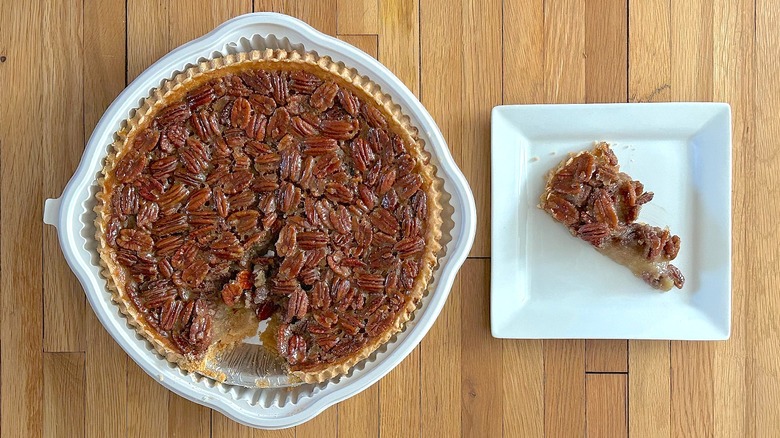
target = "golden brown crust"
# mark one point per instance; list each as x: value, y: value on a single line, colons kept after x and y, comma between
x: 174, y: 89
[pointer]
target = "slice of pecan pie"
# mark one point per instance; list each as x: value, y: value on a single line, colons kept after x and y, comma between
x: 273, y: 186
x: 600, y: 205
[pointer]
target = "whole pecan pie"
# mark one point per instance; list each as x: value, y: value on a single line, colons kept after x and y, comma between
x: 275, y: 186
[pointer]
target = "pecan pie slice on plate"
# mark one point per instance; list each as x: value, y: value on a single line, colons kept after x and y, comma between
x: 275, y: 186
x: 600, y: 205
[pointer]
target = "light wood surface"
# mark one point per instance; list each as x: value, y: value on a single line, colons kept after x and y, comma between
x: 63, y: 62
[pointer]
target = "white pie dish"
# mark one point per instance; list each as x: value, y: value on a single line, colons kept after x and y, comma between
x: 268, y: 407
x: 547, y: 284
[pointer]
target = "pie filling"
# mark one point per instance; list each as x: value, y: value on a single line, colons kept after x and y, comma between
x: 600, y: 205
x: 276, y: 193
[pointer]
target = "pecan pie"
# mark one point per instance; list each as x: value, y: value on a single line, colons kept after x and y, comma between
x: 275, y: 186
x: 599, y: 204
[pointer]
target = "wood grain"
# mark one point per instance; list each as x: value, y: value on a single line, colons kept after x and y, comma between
x: 366, y: 43
x: 282, y: 433
x: 106, y: 383
x: 358, y: 16
x: 147, y: 404
x: 765, y: 258
x: 648, y: 388
x: 606, y: 405
x: 649, y: 54
x: 105, y: 362
x: 399, y: 40
x: 733, y: 79
x: 606, y: 52
x: 63, y: 298
x: 481, y: 380
x: 187, y: 419
x: 63, y: 394
x: 523, y: 79
x: 481, y: 92
x: 324, y: 425
x: 224, y: 427
x: 606, y: 355
x: 24, y: 135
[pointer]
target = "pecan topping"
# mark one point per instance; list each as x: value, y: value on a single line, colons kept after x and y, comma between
x: 284, y: 193
x: 600, y: 205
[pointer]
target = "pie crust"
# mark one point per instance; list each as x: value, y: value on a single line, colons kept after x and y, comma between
x: 230, y: 325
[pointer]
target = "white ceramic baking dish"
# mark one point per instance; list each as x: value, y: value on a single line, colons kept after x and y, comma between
x: 270, y: 408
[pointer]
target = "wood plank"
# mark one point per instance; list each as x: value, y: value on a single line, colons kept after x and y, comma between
x: 523, y: 392
x: 481, y: 372
x: 733, y: 79
x: 224, y: 427
x: 564, y: 388
x: 399, y: 40
x: 691, y: 50
x: 63, y: 297
x: 523, y: 55
x: 25, y: 136
x: 440, y: 362
x: 366, y: 43
x: 191, y: 19
x: 564, y: 70
x: 649, y: 80
x: 321, y: 14
x: 606, y: 405
x: 691, y: 391
x: 606, y: 50
x: 523, y: 82
x: 691, y: 74
x: 147, y: 404
x: 441, y: 349
x: 649, y: 56
x: 398, y: 401
x: 359, y: 415
x: 63, y: 394
x: 104, y: 75
x: 762, y: 194
x: 648, y: 389
x: 147, y: 34
x: 481, y: 92
x: 323, y: 425
x: 602, y: 355
x: 282, y: 433
x: 187, y: 419
x: 564, y: 45
x: 358, y: 16
x: 282, y: 6
x: 106, y: 382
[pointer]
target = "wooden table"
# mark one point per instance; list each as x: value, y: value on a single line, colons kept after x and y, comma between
x: 62, y: 63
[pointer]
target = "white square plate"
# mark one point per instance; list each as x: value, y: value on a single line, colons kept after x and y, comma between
x: 547, y: 284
